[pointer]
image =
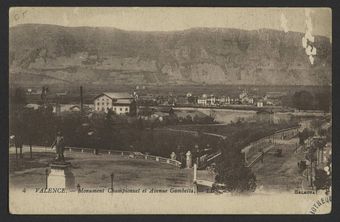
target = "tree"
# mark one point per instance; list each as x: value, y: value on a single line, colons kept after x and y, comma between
x: 17, y: 123
x: 322, y: 180
x: 303, y: 100
x: 304, y: 135
x: 43, y: 95
x: 192, y: 99
x: 140, y: 124
x: 19, y: 97
x: 30, y: 122
x: 232, y: 170
x: 109, y: 114
x: 323, y: 101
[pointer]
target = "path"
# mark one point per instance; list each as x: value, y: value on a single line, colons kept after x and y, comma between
x: 196, y: 132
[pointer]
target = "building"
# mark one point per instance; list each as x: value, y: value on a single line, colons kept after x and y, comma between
x: 60, y: 94
x: 192, y: 99
x: 259, y: 104
x: 202, y: 101
x: 124, y: 106
x: 275, y: 95
x: 245, y: 98
x: 120, y: 103
x: 59, y: 108
x: 274, y: 98
x: 161, y: 116
x: 182, y: 100
x: 207, y: 100
x: 223, y: 100
x: 32, y: 106
x: 211, y: 100
x: 147, y: 99
x: 75, y: 108
x: 34, y: 91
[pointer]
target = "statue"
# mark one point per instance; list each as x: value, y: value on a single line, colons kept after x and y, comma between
x: 188, y: 159
x: 61, y: 175
x: 173, y: 156
x: 59, y: 143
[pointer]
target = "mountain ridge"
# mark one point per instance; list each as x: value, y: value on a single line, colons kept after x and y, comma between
x: 193, y: 56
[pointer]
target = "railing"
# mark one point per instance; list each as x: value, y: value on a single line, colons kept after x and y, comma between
x: 206, y: 159
x: 215, y: 155
x: 258, y: 157
x: 129, y: 154
x: 162, y: 160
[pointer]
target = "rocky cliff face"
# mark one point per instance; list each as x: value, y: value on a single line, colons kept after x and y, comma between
x: 52, y: 54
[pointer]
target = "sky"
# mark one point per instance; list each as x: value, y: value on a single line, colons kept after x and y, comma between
x: 171, y: 18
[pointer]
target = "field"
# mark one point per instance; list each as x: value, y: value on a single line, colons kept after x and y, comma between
x: 242, y: 131
x: 222, y: 115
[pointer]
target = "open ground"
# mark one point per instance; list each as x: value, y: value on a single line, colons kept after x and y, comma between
x: 93, y: 171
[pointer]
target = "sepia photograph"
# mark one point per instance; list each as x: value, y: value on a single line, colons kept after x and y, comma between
x: 170, y: 110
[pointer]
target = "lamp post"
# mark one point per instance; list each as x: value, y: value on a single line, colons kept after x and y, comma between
x: 16, y: 152
x: 46, y: 177
x: 16, y: 156
x: 112, y: 176
x: 311, y: 174
x: 31, y: 156
x: 311, y: 165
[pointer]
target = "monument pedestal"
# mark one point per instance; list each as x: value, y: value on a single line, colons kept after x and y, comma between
x: 61, y: 176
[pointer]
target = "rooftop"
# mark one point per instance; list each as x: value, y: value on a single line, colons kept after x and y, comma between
x: 275, y: 94
x: 123, y: 101
x: 116, y: 95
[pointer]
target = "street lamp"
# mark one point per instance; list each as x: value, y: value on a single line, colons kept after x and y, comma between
x: 46, y: 177
x: 112, y: 176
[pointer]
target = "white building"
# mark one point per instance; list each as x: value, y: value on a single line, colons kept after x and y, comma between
x: 202, y: 101
x: 259, y: 104
x: 120, y: 103
x: 211, y: 100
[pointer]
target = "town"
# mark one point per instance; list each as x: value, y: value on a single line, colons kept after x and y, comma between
x: 250, y: 98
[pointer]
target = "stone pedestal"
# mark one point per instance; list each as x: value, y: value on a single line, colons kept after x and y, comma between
x: 195, y: 173
x: 61, y: 176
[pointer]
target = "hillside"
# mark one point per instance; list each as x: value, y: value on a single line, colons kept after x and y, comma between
x: 49, y: 54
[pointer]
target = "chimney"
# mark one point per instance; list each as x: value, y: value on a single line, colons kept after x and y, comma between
x: 81, y: 99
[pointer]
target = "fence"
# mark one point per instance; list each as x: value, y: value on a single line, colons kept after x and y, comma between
x: 129, y: 154
x: 205, y: 160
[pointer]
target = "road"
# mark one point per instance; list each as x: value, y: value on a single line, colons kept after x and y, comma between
x: 280, y: 173
x: 196, y: 132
